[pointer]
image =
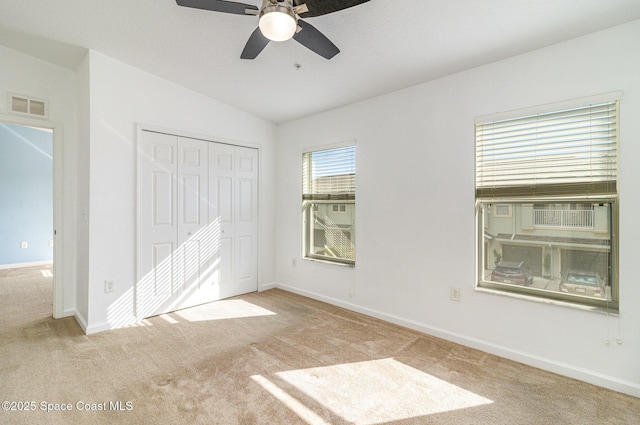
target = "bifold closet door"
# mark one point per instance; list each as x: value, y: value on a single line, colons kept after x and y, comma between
x: 173, y: 217
x: 192, y: 256
x: 157, y: 222
x: 233, y: 206
x: 197, y: 238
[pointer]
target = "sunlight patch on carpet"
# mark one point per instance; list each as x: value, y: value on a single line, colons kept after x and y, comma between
x: 224, y: 309
x: 379, y: 391
x: 169, y: 319
x: 306, y: 414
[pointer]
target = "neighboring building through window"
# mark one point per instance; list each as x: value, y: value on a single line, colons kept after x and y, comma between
x: 328, y: 201
x: 546, y: 190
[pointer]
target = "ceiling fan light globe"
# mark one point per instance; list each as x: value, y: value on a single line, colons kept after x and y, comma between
x: 277, y: 25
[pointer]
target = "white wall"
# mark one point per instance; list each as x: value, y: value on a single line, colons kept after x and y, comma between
x: 415, y: 210
x: 28, y: 76
x: 121, y: 97
x: 81, y: 212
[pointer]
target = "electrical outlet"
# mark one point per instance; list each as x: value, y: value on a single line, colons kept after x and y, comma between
x: 50, y: 242
x: 109, y: 286
x: 455, y: 294
x: 24, y: 245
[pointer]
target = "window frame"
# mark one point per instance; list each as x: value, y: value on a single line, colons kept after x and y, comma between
x: 609, y: 305
x: 308, y: 211
x: 311, y: 203
x: 576, y: 194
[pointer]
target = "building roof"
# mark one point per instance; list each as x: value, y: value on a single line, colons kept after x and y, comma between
x: 553, y: 240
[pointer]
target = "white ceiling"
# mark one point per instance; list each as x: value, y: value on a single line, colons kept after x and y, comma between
x: 385, y: 45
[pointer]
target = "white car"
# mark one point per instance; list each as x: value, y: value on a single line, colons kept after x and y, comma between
x: 583, y: 282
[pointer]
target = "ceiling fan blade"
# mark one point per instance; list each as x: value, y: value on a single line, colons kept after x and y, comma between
x: 219, y: 6
x: 314, y: 40
x: 322, y: 7
x: 256, y: 43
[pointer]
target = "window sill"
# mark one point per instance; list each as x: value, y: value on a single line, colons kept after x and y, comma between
x: 333, y: 263
x: 549, y: 301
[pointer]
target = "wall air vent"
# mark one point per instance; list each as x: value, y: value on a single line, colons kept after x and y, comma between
x: 24, y: 105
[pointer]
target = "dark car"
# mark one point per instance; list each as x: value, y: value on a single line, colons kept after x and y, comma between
x: 515, y: 272
x: 583, y: 282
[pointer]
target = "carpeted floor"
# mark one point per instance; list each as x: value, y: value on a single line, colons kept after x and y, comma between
x: 267, y: 358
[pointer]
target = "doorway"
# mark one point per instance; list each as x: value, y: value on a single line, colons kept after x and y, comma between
x: 28, y: 180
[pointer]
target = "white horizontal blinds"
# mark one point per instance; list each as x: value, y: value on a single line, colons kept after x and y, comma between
x: 330, y: 174
x: 572, y: 151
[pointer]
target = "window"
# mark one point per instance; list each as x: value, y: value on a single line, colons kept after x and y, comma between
x: 328, y: 201
x: 546, y: 192
x: 502, y: 210
x: 339, y: 208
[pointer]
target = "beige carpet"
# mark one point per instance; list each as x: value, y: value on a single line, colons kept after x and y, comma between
x: 268, y: 358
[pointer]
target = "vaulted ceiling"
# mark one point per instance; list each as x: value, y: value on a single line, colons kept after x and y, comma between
x: 385, y: 45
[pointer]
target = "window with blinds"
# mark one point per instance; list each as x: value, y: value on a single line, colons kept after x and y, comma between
x: 328, y: 199
x: 555, y: 153
x: 546, y: 191
x: 329, y: 174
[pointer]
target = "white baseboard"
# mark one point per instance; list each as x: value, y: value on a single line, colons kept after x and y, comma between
x: 67, y: 313
x: 564, y: 369
x: 101, y: 327
x: 111, y: 325
x: 267, y: 286
x: 81, y: 321
x: 20, y: 265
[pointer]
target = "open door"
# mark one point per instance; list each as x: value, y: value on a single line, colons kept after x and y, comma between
x: 27, y: 205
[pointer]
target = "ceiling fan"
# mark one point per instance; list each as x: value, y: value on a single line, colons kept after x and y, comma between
x: 279, y: 20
